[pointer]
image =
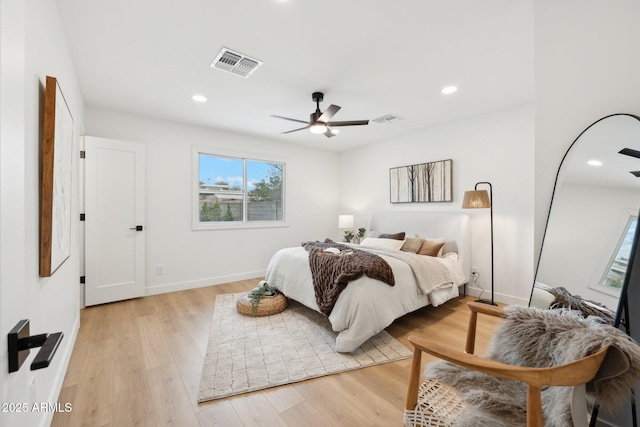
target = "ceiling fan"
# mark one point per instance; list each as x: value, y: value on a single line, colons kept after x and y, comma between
x: 320, y: 122
x: 633, y: 153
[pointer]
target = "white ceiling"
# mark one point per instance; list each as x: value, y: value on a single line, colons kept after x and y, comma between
x: 602, y: 142
x: 370, y: 57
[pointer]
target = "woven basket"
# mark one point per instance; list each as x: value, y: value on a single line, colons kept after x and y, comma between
x: 266, y: 306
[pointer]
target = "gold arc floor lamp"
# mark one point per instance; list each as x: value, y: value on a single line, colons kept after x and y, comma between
x: 479, y: 199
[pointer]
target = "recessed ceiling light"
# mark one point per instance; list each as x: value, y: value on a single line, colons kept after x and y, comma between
x: 449, y: 90
x: 594, y: 163
x: 199, y: 98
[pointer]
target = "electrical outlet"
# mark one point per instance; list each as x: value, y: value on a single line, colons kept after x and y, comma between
x: 474, y: 271
x: 159, y: 269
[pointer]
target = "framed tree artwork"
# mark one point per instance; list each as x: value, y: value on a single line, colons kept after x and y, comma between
x: 55, y: 185
x: 424, y: 182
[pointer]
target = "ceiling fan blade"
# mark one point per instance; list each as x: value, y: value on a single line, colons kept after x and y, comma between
x: 290, y: 119
x: 349, y: 123
x: 630, y: 152
x: 328, y: 113
x: 295, y: 130
x: 329, y: 133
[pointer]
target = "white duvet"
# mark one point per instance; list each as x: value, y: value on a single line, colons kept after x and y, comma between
x: 367, y: 306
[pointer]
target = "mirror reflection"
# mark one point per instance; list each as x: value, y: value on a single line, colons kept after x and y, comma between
x: 593, y: 216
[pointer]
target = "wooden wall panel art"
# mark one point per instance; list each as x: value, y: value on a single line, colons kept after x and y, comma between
x: 55, y: 189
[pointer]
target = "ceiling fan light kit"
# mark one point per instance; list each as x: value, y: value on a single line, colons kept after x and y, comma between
x: 318, y: 128
x: 320, y: 122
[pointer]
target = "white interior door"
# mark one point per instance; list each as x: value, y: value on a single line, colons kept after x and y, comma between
x: 114, y: 223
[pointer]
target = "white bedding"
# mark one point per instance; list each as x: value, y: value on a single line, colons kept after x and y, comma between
x: 431, y: 273
x: 367, y: 306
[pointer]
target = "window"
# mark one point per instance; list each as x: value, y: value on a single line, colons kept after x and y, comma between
x: 617, y: 268
x: 237, y: 192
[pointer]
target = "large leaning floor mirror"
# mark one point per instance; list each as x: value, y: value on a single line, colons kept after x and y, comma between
x: 588, y: 251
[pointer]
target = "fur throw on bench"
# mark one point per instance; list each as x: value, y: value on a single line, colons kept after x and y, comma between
x: 564, y: 299
x: 542, y: 338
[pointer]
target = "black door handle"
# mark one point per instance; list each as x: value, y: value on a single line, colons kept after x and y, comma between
x: 136, y: 228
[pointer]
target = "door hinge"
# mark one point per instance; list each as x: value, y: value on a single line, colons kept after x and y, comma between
x: 82, y: 217
x: 82, y: 279
x: 83, y: 154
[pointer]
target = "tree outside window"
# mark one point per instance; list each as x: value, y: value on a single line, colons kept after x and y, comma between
x: 265, y: 196
x: 239, y: 190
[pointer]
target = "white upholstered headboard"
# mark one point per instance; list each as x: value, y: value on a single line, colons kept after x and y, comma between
x: 453, y: 227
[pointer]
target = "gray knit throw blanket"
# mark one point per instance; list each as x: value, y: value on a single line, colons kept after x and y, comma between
x: 543, y: 338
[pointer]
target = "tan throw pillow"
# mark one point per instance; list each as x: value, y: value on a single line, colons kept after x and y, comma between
x: 412, y: 244
x: 395, y: 236
x: 431, y: 247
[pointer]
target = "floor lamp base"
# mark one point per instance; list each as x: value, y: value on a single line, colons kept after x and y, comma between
x: 484, y: 301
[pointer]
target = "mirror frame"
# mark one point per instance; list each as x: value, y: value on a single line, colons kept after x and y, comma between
x: 622, y: 301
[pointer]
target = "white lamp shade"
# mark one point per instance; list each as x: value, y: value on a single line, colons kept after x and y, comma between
x: 345, y: 221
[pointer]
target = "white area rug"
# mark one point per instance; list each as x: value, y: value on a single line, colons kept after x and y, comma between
x: 246, y: 353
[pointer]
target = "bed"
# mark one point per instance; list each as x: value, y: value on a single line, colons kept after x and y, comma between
x: 367, y: 306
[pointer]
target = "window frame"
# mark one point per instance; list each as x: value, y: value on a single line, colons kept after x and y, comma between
x: 197, y: 225
x: 599, y: 286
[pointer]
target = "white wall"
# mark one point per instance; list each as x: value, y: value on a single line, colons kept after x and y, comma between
x: 32, y: 46
x: 592, y: 218
x: 587, y: 67
x: 202, y: 258
x: 497, y: 148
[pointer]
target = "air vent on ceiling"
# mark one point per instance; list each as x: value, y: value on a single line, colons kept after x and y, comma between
x: 387, y: 119
x: 235, y: 63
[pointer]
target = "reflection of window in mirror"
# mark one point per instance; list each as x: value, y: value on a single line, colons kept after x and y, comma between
x: 613, y: 278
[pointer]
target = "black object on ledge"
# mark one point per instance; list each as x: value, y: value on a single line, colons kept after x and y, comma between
x: 20, y: 343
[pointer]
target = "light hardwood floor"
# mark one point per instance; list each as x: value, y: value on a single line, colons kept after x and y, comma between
x: 138, y: 362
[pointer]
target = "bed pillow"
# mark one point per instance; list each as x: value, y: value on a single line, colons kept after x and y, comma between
x: 431, y: 247
x: 376, y: 242
x: 449, y: 246
x: 395, y: 236
x: 412, y: 244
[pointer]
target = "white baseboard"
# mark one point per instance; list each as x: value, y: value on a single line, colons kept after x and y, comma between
x: 65, y: 354
x: 182, y: 286
x: 497, y: 297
